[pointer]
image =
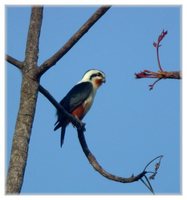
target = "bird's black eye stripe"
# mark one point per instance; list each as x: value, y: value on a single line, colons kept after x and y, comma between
x: 99, y: 74
x: 96, y: 74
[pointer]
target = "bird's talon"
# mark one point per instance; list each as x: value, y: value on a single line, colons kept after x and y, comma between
x: 82, y: 127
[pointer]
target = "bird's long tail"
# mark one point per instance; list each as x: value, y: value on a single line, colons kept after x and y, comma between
x: 57, y: 125
x: 63, y: 130
x: 62, y: 125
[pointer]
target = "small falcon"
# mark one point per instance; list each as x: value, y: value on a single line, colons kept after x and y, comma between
x: 79, y: 99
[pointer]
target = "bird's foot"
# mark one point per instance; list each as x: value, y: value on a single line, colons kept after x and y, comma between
x: 80, y: 125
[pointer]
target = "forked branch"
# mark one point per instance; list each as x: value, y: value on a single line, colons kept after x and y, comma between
x: 161, y: 74
x: 91, y: 158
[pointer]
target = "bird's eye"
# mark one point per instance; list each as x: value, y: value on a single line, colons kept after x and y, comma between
x: 99, y: 74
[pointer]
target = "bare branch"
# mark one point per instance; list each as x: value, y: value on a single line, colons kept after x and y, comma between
x: 14, y: 62
x: 159, y: 74
x: 73, y: 40
x: 91, y: 158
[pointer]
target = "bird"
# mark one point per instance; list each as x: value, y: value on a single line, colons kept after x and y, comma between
x: 79, y: 99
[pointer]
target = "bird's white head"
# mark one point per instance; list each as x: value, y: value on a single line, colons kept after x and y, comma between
x: 95, y: 76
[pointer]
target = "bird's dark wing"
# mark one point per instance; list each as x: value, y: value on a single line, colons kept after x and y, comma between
x: 76, y: 96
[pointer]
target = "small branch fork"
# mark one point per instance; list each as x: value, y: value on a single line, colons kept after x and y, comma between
x: 50, y: 62
x: 161, y: 74
x: 91, y: 158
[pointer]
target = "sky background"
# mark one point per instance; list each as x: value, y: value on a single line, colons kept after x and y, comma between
x: 128, y: 125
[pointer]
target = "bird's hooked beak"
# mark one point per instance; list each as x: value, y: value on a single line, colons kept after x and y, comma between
x: 103, y: 80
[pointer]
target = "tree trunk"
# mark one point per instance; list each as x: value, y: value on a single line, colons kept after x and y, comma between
x: 19, y: 153
x: 28, y: 99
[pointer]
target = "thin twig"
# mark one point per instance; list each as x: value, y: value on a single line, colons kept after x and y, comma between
x: 73, y: 40
x: 157, y: 45
x: 158, y: 58
x: 161, y: 74
x: 158, y: 157
x: 147, y: 184
x: 151, y: 86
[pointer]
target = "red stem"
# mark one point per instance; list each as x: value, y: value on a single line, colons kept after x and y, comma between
x: 158, y: 58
